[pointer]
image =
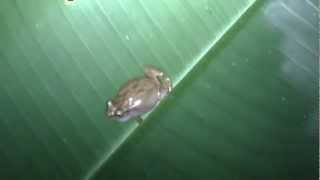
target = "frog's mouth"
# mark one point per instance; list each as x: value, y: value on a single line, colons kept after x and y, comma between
x: 111, y: 115
x: 120, y: 118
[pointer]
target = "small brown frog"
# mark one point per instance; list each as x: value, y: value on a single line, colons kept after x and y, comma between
x: 138, y: 96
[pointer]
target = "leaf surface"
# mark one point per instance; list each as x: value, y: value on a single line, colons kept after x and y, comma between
x: 59, y: 63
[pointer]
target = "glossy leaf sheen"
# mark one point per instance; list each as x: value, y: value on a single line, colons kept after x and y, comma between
x: 243, y: 107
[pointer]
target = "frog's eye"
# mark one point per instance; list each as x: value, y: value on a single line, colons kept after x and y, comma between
x: 109, y: 103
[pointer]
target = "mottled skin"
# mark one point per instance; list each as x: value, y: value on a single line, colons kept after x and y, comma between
x: 139, y: 95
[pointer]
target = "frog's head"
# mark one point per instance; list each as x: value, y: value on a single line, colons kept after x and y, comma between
x: 112, y: 110
x: 115, y: 113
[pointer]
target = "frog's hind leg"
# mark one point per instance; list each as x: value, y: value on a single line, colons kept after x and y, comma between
x: 152, y: 72
x: 165, y: 88
x: 164, y: 81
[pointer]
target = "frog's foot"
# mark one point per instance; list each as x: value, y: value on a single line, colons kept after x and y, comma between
x: 152, y: 72
x: 139, y: 120
x: 165, y: 88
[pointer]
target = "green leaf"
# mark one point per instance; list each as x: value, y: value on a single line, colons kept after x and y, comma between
x: 243, y: 106
x: 247, y: 112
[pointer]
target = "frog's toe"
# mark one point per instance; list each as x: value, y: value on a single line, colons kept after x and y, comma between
x: 139, y: 120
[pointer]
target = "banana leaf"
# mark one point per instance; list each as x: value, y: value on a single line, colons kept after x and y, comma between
x: 244, y: 103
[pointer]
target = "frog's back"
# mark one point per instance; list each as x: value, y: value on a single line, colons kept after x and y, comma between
x: 140, y: 88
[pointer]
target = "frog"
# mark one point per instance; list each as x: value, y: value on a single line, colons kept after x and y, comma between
x: 139, y: 96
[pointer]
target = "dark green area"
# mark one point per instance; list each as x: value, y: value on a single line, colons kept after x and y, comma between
x: 247, y: 111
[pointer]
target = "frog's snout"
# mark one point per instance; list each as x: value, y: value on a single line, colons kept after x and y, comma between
x: 109, y: 111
